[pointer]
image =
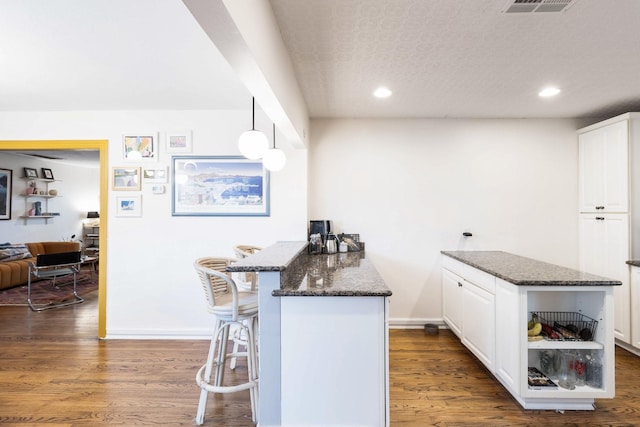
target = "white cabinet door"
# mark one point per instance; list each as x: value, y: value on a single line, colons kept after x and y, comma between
x: 452, y: 301
x: 604, y: 169
x: 635, y: 306
x: 478, y: 323
x: 604, y: 250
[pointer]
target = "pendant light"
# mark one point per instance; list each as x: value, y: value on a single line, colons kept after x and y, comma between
x: 253, y: 143
x: 274, y: 159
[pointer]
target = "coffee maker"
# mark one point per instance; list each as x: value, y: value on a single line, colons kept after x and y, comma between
x: 322, y: 228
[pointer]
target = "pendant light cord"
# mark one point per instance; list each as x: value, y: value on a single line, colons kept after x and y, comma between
x: 274, y: 135
x: 253, y: 113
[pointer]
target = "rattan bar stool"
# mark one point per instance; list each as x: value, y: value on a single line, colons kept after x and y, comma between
x: 233, y: 308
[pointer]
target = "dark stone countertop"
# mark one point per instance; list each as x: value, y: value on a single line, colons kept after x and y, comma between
x: 341, y: 274
x: 526, y: 271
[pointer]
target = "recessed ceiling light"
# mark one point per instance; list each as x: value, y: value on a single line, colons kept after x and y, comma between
x: 382, y: 92
x: 549, y: 91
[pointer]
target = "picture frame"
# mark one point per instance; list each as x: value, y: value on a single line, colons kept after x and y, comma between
x: 129, y: 205
x: 125, y: 178
x: 6, y: 192
x: 47, y: 174
x: 140, y: 146
x: 178, y: 142
x: 219, y: 186
x: 30, y: 173
x: 156, y: 176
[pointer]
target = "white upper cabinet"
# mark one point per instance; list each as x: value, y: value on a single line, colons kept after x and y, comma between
x: 604, y: 169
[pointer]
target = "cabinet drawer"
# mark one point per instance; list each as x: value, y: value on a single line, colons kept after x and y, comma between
x: 471, y: 274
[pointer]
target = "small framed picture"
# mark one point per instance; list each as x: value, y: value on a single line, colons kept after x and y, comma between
x: 140, y: 146
x: 129, y: 205
x: 30, y: 173
x: 157, y: 176
x: 47, y: 173
x: 179, y: 142
x: 126, y: 179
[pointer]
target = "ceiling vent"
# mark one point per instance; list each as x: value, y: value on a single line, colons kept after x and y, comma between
x: 535, y: 6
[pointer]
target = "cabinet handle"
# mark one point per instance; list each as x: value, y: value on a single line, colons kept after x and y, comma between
x: 599, y: 207
x: 459, y: 284
x: 599, y: 218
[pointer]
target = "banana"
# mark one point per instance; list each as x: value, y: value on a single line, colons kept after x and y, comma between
x: 536, y: 330
x: 532, y: 322
x: 536, y: 338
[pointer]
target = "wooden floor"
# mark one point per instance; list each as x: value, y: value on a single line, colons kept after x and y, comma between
x: 55, y: 372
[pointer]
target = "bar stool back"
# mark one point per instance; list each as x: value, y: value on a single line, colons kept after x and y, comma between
x: 249, y: 279
x: 232, y: 308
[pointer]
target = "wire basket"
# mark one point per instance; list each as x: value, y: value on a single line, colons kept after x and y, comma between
x: 567, y: 326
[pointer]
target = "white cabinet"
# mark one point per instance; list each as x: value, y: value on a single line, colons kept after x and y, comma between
x: 494, y: 328
x: 609, y: 179
x: 469, y: 308
x: 478, y: 322
x: 604, y: 170
x: 635, y: 306
x: 604, y: 250
x: 452, y: 301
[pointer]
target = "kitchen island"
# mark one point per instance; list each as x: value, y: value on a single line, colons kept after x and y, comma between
x: 323, y: 337
x: 488, y: 298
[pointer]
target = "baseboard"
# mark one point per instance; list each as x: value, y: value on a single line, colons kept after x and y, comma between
x: 406, y: 323
x: 158, y: 334
x: 628, y: 347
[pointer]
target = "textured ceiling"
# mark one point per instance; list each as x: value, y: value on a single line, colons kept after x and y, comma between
x: 441, y: 58
x: 462, y: 58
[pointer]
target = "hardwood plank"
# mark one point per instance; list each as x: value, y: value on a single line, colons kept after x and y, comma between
x: 55, y: 372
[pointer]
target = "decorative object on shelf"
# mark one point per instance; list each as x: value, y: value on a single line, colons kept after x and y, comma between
x: 53, y: 192
x: 129, y: 205
x: 158, y: 176
x: 140, y: 146
x: 219, y: 185
x: 47, y: 173
x: 30, y: 173
x: 37, y: 208
x: 274, y: 159
x: 126, y: 179
x: 178, y: 142
x: 32, y: 188
x: 6, y: 190
x: 253, y: 143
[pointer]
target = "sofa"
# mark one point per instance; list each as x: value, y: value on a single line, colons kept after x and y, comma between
x: 14, y: 259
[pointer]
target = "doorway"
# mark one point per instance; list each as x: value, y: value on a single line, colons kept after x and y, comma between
x: 101, y: 146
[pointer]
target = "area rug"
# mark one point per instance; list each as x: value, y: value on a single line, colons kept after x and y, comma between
x: 42, y: 292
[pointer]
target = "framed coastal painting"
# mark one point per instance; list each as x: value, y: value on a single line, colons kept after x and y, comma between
x: 6, y: 188
x: 219, y: 185
x: 140, y: 146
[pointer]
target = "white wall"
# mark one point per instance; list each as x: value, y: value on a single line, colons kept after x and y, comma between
x: 152, y: 289
x: 78, y: 192
x: 411, y: 187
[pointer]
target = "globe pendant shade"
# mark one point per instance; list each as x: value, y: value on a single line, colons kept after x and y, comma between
x: 274, y: 159
x: 253, y: 144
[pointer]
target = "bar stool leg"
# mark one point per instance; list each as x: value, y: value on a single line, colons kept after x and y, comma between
x: 202, y: 405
